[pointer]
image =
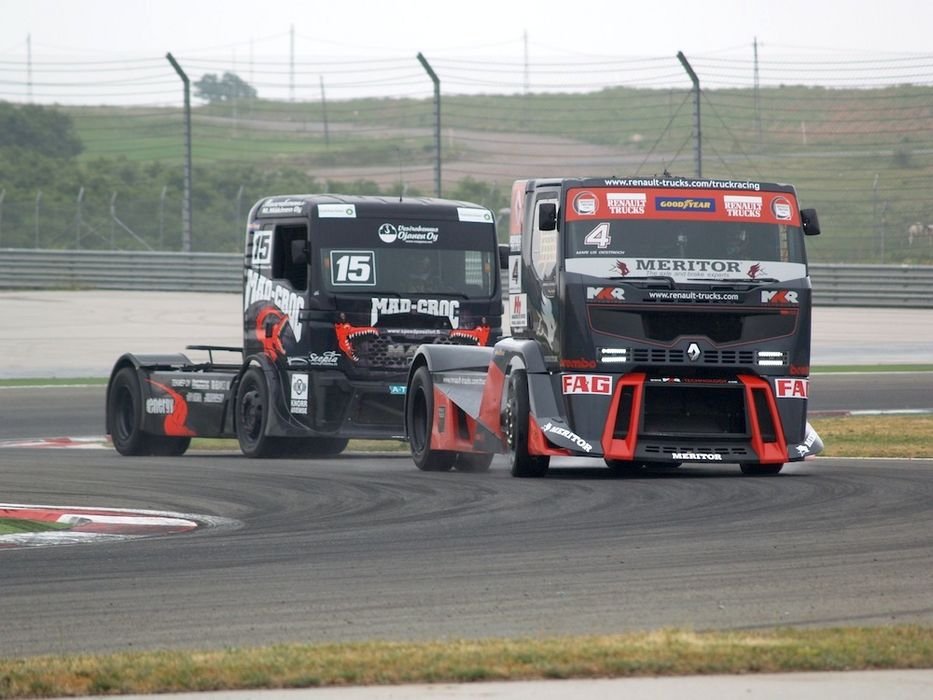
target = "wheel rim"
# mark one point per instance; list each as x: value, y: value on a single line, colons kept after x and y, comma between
x: 510, y: 421
x: 251, y: 410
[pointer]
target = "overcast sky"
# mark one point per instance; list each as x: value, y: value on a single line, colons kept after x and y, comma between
x: 104, y: 28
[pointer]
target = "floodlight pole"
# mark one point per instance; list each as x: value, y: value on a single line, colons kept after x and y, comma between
x: 186, y: 199
x: 698, y: 152
x: 437, y: 120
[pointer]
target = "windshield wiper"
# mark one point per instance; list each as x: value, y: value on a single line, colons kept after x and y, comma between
x: 735, y: 280
x: 653, y: 279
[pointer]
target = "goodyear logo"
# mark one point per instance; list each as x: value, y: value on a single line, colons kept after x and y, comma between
x: 685, y: 203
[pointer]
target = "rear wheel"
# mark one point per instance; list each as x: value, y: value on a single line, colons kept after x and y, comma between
x: 473, y: 462
x: 312, y: 448
x: 761, y: 469
x: 419, y: 424
x: 124, y: 404
x: 517, y: 412
x: 252, y: 416
x: 168, y: 446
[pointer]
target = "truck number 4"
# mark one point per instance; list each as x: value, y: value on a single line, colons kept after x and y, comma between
x: 599, y: 236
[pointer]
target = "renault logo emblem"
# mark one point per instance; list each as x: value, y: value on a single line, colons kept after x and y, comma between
x: 693, y: 352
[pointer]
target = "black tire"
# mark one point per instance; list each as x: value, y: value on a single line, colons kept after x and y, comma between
x: 761, y: 469
x: 311, y: 448
x: 419, y: 422
x: 168, y: 446
x: 251, y: 418
x: 124, y: 403
x: 623, y: 467
x: 474, y: 462
x: 517, y: 411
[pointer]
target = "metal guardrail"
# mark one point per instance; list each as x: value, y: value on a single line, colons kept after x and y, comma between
x: 833, y: 284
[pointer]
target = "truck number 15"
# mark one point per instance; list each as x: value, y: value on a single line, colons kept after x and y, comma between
x: 352, y: 267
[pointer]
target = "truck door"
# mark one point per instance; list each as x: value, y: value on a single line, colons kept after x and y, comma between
x: 540, y: 257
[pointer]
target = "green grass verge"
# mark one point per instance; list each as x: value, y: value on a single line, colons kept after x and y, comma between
x: 14, y: 526
x: 876, y: 436
x: 664, y: 652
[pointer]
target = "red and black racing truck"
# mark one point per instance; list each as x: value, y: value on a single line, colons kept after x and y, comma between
x: 338, y: 293
x: 654, y: 322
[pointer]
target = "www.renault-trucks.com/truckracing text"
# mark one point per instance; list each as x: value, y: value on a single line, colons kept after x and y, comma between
x: 338, y: 293
x: 653, y: 323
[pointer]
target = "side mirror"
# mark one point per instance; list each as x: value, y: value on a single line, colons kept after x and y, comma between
x: 299, y: 252
x: 504, y: 251
x: 810, y: 222
x: 547, y: 216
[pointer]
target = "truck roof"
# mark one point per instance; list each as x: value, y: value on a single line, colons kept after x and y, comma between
x: 660, y: 181
x: 279, y: 206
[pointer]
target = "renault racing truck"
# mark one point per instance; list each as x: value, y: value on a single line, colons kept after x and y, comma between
x: 338, y: 293
x: 654, y: 322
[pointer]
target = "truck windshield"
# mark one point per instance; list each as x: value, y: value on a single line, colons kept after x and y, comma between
x: 685, y: 250
x: 452, y: 258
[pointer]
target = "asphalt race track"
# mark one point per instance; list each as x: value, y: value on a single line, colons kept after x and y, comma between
x: 367, y: 547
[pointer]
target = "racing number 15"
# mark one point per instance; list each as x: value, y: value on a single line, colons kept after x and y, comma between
x: 352, y: 267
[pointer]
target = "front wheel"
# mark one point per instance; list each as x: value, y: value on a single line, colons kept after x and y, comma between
x: 419, y: 424
x: 761, y: 469
x: 517, y: 413
x: 252, y: 416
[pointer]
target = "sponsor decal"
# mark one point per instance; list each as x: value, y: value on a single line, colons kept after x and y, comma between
x: 579, y: 363
x: 782, y: 208
x: 685, y: 204
x: 515, y: 243
x: 699, y: 267
x: 299, y: 397
x: 213, y: 397
x: 389, y: 306
x: 684, y: 269
x: 398, y: 389
x: 328, y: 358
x: 692, y: 295
x: 697, y: 456
x: 568, y: 434
x: 482, y: 216
x: 680, y: 182
x: 261, y: 288
x: 795, y: 388
x: 464, y: 379
x: 586, y: 384
x: 626, y: 203
x: 586, y: 203
x: 607, y: 294
x: 336, y: 211
x: 781, y: 297
x: 599, y: 236
x: 162, y: 406
x: 800, y: 370
x: 742, y: 206
x: 281, y: 205
x: 518, y: 311
x: 269, y: 325
x: 174, y: 408
x: 755, y: 270
x: 405, y: 233
x: 693, y: 352
x: 620, y: 267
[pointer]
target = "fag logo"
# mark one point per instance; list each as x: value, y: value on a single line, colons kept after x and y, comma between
x: 791, y: 388
x: 780, y: 298
x: 586, y: 384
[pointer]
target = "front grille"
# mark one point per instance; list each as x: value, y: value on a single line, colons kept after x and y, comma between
x: 666, y: 450
x: 395, y: 352
x: 720, y: 326
x: 677, y: 356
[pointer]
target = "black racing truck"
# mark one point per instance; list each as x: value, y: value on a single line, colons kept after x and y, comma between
x: 338, y: 293
x: 653, y: 322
